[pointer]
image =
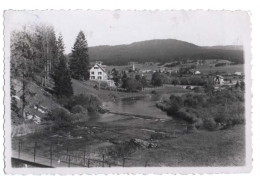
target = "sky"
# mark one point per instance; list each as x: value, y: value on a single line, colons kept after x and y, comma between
x: 203, y: 28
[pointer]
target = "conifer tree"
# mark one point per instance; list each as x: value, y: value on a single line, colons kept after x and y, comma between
x: 61, y: 76
x: 79, y: 61
x: 60, y: 46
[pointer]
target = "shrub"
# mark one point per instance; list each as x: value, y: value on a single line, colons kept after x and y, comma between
x: 87, y: 101
x: 198, y: 90
x: 61, y: 117
x: 209, y: 124
x: 82, y: 116
x: 188, y: 116
x: 175, y: 81
x: 175, y: 104
x: 184, y: 81
x: 157, y: 79
x: 132, y: 84
x: 77, y: 109
x: 104, y: 84
x: 197, y: 81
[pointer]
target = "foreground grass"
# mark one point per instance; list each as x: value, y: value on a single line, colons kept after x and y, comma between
x: 203, y: 148
x: 200, y: 148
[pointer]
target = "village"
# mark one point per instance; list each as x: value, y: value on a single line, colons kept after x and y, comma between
x: 110, y: 77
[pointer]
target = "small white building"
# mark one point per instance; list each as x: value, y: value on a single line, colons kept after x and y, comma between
x: 97, y: 72
x: 197, y: 72
x: 219, y: 80
x: 238, y: 73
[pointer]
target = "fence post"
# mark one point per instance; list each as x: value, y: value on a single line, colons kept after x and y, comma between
x: 123, y: 162
x: 67, y: 152
x: 51, y: 155
x: 88, y: 162
x: 19, y: 149
x: 103, y: 160
x: 69, y: 161
x: 145, y: 163
x: 34, y: 153
x: 84, y: 158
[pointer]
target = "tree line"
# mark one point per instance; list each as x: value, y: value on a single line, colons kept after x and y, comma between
x: 37, y: 55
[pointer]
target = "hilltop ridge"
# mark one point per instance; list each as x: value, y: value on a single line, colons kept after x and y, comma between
x: 162, y: 50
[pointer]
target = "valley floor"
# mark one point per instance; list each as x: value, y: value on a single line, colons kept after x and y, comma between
x: 141, y: 142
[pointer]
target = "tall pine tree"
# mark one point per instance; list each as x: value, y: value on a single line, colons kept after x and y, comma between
x: 61, y: 76
x: 79, y: 61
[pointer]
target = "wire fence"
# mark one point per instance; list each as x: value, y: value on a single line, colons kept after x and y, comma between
x: 66, y: 158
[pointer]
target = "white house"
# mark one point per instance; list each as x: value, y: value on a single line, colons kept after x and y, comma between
x: 219, y: 80
x: 197, y: 72
x: 97, y: 72
x: 238, y: 73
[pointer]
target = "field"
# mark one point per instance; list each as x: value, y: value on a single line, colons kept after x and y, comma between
x: 116, y: 140
x: 208, y: 67
x: 107, y: 95
x: 227, y: 69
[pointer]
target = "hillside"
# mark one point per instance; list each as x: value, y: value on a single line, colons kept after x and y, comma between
x: 162, y: 51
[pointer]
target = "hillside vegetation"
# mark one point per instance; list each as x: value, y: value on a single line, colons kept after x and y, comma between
x: 162, y: 51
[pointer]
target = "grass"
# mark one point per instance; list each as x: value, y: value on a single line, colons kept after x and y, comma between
x: 107, y: 95
x: 205, y: 69
x: 201, y: 148
x: 218, y: 148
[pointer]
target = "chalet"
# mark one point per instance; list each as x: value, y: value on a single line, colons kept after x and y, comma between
x: 97, y: 72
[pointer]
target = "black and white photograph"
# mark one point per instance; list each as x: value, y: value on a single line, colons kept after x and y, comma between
x: 127, y: 89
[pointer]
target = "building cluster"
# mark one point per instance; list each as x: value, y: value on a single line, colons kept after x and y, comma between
x: 99, y: 73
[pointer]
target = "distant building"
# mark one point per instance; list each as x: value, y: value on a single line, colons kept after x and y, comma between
x: 197, y: 72
x: 97, y: 72
x: 219, y: 80
x: 238, y: 73
x: 132, y: 64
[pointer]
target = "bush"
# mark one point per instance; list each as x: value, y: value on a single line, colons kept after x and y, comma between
x: 197, y: 81
x: 175, y: 81
x: 83, y: 116
x: 104, y: 84
x: 132, y: 85
x: 77, y: 109
x: 87, y: 101
x: 157, y: 79
x: 184, y: 81
x: 175, y: 104
x: 61, y: 117
x: 198, y: 89
x: 187, y: 116
x: 210, y: 124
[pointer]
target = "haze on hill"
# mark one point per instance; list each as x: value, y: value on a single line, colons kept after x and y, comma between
x: 163, y: 50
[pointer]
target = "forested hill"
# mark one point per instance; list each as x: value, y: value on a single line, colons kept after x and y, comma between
x: 162, y: 51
